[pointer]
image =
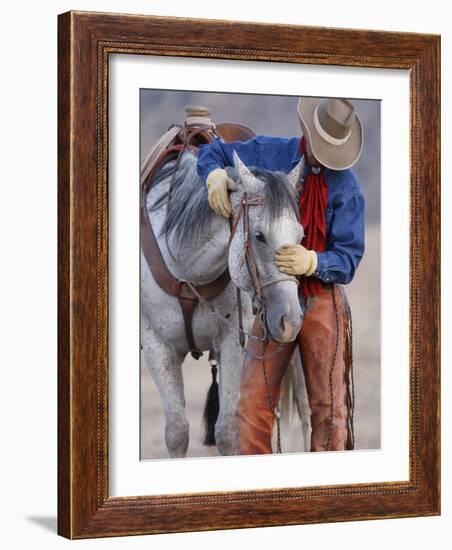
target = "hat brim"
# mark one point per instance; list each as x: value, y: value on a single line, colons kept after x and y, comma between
x: 336, y: 157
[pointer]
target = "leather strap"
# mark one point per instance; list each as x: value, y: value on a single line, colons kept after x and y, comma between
x: 163, y: 277
x: 188, y: 302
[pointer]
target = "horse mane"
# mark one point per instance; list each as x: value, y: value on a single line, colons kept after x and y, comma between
x: 189, y: 214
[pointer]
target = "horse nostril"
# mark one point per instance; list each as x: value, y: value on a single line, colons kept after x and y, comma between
x: 282, y: 323
x: 288, y: 325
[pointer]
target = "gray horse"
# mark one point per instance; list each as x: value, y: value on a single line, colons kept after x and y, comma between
x: 194, y: 242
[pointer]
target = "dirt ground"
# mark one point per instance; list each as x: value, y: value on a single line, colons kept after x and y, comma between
x: 364, y: 297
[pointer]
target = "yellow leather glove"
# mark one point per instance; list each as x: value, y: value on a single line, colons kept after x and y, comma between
x: 218, y: 183
x: 295, y: 259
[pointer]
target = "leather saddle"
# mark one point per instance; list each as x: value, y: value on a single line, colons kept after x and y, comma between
x: 189, y: 137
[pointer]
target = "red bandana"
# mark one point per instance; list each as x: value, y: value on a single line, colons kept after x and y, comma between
x: 313, y: 202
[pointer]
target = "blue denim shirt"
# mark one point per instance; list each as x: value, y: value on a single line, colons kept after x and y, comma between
x: 345, y: 208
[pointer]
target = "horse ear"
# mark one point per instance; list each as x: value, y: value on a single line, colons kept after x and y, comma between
x: 244, y: 173
x: 294, y: 175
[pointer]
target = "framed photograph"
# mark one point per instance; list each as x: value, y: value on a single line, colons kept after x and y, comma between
x: 249, y: 259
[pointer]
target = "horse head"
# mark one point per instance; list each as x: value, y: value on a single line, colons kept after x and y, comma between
x: 265, y: 215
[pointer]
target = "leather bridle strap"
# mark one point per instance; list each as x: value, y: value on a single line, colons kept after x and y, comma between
x: 238, y: 292
x: 249, y: 255
x: 245, y: 203
x: 289, y: 278
x: 243, y: 210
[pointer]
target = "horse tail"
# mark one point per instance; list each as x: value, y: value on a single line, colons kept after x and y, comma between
x: 294, y: 399
x: 212, y: 407
x: 287, y: 404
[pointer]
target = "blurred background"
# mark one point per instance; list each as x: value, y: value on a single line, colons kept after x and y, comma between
x: 276, y: 115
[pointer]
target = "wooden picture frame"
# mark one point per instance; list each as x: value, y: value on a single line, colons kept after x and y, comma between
x: 85, y: 42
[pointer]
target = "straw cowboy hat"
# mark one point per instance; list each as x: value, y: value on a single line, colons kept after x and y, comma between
x: 333, y: 130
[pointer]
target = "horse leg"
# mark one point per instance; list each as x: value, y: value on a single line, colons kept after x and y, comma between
x: 230, y: 365
x: 165, y: 366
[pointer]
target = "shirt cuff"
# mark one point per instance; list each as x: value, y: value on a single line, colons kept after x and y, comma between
x: 205, y: 170
x: 321, y: 271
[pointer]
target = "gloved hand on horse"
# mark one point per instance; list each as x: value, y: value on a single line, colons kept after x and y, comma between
x: 295, y: 259
x: 218, y: 183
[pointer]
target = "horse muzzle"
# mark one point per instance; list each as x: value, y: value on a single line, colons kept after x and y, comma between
x: 283, y: 312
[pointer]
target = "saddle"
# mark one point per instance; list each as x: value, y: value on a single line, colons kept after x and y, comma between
x: 198, y: 129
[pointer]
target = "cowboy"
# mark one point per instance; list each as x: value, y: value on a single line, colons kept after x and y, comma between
x: 332, y: 215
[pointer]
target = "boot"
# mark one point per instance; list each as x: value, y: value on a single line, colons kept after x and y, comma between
x: 325, y: 359
x: 255, y: 416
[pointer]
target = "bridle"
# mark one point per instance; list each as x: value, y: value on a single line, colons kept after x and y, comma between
x: 258, y: 286
x: 243, y: 213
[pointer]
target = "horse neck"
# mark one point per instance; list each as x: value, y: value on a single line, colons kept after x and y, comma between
x: 198, y: 262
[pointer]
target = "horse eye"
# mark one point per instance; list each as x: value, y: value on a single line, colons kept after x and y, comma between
x: 259, y: 237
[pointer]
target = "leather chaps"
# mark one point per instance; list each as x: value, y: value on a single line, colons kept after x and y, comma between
x: 325, y: 348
